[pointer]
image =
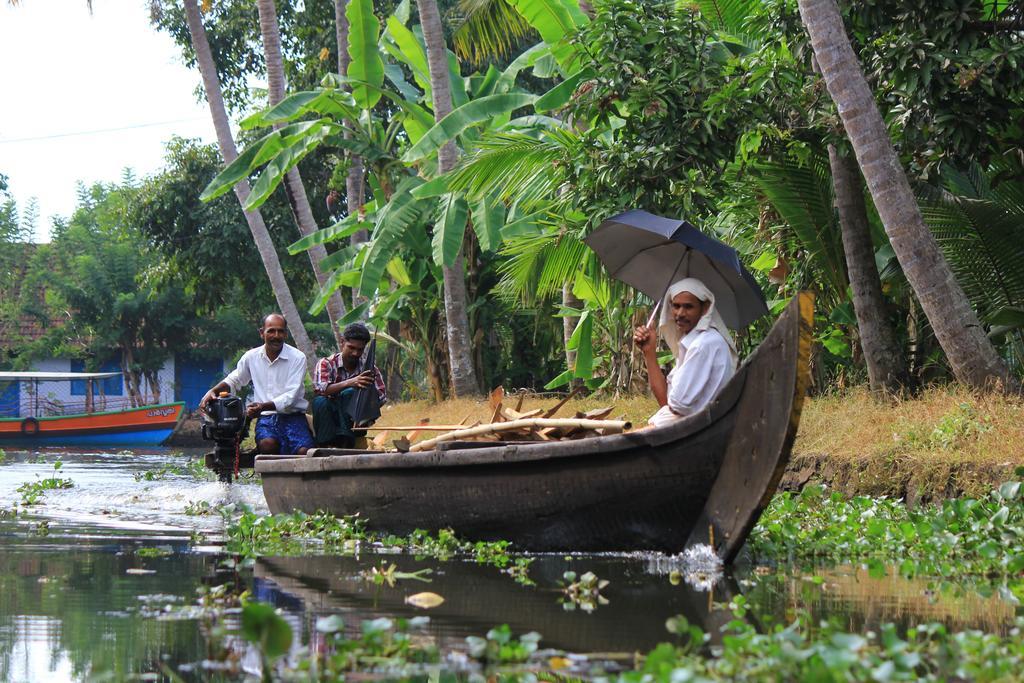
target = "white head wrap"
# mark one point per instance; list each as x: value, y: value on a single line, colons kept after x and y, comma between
x: 711, y: 319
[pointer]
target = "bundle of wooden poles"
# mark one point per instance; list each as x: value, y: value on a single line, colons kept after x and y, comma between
x: 507, y: 424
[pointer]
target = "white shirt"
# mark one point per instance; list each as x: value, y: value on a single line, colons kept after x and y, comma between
x: 705, y: 367
x: 279, y: 380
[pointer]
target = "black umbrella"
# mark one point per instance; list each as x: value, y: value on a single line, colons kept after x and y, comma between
x: 650, y: 252
x: 364, y: 407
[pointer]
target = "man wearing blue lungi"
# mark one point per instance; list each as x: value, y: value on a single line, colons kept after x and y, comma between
x: 277, y: 371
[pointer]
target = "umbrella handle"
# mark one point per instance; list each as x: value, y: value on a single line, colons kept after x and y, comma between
x: 654, y: 313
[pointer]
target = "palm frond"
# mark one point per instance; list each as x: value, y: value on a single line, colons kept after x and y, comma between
x: 537, y: 266
x: 981, y: 232
x: 514, y: 166
x: 488, y: 29
x: 801, y: 194
x: 729, y: 18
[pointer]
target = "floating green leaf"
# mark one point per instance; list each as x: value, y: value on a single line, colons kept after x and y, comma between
x: 263, y: 626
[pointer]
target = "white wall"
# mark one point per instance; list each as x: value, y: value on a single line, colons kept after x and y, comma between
x: 60, y: 392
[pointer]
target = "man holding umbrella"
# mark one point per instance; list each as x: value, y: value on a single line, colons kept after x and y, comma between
x: 340, y: 381
x: 704, y: 351
x: 700, y: 285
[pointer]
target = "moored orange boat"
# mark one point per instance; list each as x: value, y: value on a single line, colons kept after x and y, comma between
x: 41, y: 423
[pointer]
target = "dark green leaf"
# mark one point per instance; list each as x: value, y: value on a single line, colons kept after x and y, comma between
x: 470, y: 114
x: 262, y: 625
x: 449, y: 229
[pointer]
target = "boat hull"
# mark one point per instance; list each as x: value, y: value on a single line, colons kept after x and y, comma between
x: 704, y: 478
x: 145, y: 426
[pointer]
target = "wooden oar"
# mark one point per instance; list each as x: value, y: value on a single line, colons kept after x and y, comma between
x: 422, y: 428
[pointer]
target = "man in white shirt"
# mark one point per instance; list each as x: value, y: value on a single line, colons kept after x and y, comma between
x: 277, y: 372
x: 704, y: 352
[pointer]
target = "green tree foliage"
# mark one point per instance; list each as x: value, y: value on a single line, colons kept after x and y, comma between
x: 978, y: 219
x: 308, y: 42
x: 648, y: 140
x: 13, y: 252
x: 709, y: 110
x: 207, y: 248
x: 97, y: 272
x: 206, y: 244
x: 12, y: 232
x: 949, y: 75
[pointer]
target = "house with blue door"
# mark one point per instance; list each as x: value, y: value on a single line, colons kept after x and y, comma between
x: 184, y: 377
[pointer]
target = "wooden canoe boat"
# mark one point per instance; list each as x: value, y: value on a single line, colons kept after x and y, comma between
x: 703, y: 479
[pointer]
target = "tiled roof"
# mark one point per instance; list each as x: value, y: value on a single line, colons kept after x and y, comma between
x: 25, y: 328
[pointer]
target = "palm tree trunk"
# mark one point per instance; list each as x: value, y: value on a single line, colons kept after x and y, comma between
x: 973, y: 358
x: 887, y: 369
x: 294, y: 188
x: 463, y: 374
x: 355, y: 186
x: 260, y: 235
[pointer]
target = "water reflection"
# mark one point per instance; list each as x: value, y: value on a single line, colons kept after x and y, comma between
x: 476, y: 598
x: 80, y: 602
x: 71, y: 612
x: 861, y: 601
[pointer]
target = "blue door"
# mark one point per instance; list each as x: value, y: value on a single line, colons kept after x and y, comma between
x: 112, y: 386
x: 193, y: 377
x: 9, y: 399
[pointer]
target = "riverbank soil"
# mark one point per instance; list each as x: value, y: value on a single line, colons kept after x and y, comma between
x: 188, y: 432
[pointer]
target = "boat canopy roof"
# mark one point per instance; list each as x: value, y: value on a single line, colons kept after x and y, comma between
x: 54, y: 376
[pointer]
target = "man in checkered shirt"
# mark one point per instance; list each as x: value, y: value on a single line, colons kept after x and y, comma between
x: 335, y: 382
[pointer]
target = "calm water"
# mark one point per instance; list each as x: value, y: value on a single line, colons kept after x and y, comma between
x: 78, y: 601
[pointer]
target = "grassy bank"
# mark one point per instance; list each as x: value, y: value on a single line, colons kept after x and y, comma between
x: 944, y: 443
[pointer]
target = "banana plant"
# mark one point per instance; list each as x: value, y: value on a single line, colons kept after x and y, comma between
x: 410, y: 203
x: 488, y: 101
x: 557, y: 22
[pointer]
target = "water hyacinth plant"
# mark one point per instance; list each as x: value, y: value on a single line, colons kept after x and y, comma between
x: 965, y: 536
x: 390, y: 646
x: 388, y: 574
x: 252, y: 535
x: 501, y: 647
x: 583, y: 592
x: 805, y: 651
x: 32, y: 491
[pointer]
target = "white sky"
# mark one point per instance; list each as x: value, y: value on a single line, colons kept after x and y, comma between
x: 67, y: 78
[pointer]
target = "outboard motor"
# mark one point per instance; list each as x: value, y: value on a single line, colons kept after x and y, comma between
x: 225, y: 423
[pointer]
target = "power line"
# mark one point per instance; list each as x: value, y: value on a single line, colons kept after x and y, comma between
x: 99, y: 131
